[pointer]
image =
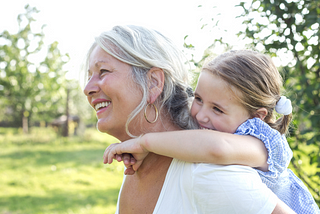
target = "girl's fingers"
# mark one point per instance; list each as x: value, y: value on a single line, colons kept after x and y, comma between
x: 129, y: 171
x: 119, y: 158
x: 126, y: 159
x: 105, y: 156
x: 132, y: 160
x: 112, y: 153
x: 108, y: 155
x: 136, y: 166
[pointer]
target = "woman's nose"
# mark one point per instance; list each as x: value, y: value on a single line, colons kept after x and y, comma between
x: 91, y: 87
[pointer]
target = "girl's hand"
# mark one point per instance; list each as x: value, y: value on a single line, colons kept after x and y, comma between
x: 128, y: 161
x: 133, y: 147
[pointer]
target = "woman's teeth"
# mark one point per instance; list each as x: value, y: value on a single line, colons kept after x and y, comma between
x: 101, y: 105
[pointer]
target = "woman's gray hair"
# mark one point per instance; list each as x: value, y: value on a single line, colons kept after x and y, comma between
x: 143, y: 49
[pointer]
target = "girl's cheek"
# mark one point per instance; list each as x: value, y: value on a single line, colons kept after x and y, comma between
x: 194, y: 110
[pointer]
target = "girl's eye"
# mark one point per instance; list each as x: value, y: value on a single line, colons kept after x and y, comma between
x: 217, y: 109
x: 198, y: 99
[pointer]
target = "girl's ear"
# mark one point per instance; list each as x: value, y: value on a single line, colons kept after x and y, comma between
x: 261, y: 113
x: 155, y: 83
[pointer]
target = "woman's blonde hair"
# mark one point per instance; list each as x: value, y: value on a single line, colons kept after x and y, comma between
x: 257, y: 79
x: 143, y: 49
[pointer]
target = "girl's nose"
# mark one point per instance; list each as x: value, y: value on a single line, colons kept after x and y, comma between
x: 91, y: 87
x: 202, y: 116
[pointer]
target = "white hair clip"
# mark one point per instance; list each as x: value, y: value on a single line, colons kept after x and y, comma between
x: 284, y: 106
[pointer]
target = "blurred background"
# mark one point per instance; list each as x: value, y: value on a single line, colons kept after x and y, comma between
x: 50, y: 151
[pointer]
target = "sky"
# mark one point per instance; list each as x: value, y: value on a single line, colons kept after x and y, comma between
x: 74, y: 24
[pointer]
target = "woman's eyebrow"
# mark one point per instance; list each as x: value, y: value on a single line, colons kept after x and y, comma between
x: 96, y: 65
x: 99, y: 62
x: 89, y: 72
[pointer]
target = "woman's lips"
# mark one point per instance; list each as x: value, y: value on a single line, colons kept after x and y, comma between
x: 101, y: 110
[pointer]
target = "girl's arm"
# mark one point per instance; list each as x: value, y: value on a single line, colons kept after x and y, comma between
x: 206, y: 146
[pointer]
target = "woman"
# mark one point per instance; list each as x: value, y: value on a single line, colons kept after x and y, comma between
x: 137, y: 84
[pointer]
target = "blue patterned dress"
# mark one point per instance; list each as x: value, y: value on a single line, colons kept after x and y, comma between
x: 281, y: 180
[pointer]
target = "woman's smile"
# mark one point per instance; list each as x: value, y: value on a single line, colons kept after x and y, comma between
x: 111, y: 91
x: 100, y: 105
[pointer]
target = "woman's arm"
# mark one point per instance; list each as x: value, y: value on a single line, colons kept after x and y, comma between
x: 205, y: 146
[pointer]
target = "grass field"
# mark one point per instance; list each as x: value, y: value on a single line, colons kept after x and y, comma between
x: 43, y: 173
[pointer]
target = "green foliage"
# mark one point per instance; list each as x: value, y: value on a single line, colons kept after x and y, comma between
x: 43, y: 173
x: 291, y: 29
x: 30, y: 86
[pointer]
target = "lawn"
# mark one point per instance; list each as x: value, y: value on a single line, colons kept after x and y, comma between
x: 43, y: 173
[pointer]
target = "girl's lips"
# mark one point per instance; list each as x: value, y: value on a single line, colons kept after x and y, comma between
x: 205, y: 128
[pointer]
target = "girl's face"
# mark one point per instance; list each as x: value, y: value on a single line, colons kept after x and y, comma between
x: 215, y: 106
x: 111, y: 92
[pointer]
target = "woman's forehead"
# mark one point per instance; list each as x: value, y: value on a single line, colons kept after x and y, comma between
x: 100, y: 56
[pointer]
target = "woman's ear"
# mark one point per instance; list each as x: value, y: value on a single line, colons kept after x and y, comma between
x: 261, y: 113
x: 155, y: 83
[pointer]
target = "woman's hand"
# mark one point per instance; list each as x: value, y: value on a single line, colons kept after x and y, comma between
x: 120, y: 151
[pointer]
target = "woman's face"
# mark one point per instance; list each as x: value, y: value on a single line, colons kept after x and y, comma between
x: 111, y: 92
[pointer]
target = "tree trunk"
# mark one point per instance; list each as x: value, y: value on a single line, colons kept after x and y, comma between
x: 25, y: 126
x: 65, y: 131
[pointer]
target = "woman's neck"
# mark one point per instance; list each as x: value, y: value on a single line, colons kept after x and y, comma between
x: 154, y: 161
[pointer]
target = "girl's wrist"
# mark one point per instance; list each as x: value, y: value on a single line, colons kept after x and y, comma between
x: 142, y: 141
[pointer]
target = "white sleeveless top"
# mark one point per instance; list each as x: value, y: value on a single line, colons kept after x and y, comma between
x: 199, y: 188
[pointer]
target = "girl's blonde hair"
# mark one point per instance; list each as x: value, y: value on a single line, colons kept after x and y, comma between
x: 257, y: 79
x: 144, y: 48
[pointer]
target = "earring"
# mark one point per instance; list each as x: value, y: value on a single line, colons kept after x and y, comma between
x: 145, y: 113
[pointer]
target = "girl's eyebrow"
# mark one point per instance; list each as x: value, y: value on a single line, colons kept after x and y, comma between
x: 217, y: 105
x: 196, y: 94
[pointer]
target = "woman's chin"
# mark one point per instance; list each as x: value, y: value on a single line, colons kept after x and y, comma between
x: 110, y: 130
x: 100, y: 130
x: 101, y: 127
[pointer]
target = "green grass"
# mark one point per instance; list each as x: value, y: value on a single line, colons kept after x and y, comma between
x: 43, y: 173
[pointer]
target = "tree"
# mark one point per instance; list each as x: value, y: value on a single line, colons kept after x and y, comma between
x: 30, y: 87
x: 290, y: 30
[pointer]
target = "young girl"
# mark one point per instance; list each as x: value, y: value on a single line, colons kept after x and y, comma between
x: 237, y: 93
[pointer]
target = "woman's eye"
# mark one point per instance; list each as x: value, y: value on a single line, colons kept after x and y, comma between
x: 104, y: 71
x: 89, y: 77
